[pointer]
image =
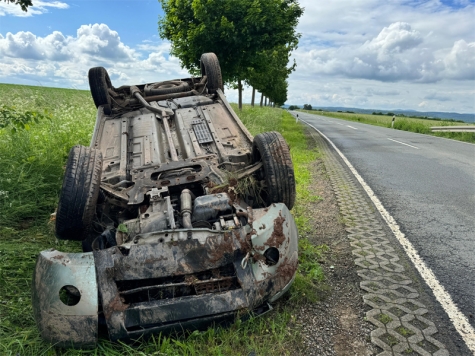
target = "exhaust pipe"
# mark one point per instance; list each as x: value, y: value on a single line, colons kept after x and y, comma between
x: 186, y: 205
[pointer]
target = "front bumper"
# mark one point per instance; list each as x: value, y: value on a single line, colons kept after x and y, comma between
x: 166, y: 280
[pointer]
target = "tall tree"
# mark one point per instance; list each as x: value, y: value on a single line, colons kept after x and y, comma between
x: 270, y: 73
x: 24, y: 4
x: 235, y: 30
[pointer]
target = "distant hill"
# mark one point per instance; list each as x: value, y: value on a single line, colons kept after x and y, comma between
x: 470, y: 118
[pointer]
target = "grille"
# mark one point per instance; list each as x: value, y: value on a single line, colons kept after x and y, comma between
x: 217, y: 280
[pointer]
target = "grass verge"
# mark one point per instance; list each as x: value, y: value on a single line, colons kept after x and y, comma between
x: 32, y: 162
x: 410, y: 124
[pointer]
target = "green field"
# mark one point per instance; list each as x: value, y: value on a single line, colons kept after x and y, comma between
x: 32, y: 159
x: 404, y: 123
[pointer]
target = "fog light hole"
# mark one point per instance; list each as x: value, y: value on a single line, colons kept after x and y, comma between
x: 272, y: 256
x: 69, y: 295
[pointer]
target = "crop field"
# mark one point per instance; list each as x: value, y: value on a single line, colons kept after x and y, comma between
x: 404, y: 123
x: 38, y: 126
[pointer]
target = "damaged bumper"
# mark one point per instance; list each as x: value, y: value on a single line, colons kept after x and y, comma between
x: 166, y: 280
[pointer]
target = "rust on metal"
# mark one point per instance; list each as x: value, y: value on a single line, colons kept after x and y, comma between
x: 116, y: 305
x: 278, y: 237
x: 216, y: 253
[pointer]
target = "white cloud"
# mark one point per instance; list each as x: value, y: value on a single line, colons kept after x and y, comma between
x: 99, y: 40
x: 38, y: 8
x: 92, y: 43
x: 396, y: 38
x: 460, y: 62
x: 61, y: 60
x: 397, y: 53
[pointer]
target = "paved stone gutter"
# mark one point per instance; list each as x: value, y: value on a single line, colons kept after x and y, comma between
x: 401, y: 317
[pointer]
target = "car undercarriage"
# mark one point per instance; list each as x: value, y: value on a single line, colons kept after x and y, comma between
x: 184, y: 217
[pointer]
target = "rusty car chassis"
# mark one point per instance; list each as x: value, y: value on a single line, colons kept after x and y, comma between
x: 183, y: 216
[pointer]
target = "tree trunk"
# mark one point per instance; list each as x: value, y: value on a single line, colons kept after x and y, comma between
x: 265, y: 102
x: 253, y: 96
x: 240, y: 94
x: 262, y: 99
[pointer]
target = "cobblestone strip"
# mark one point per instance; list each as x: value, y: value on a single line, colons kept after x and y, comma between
x: 402, y: 325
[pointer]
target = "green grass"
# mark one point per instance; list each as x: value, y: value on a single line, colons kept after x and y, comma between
x: 417, y: 125
x: 384, y: 318
x: 31, y: 162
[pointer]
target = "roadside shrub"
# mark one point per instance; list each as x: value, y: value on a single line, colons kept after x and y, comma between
x: 15, y: 120
x: 412, y: 126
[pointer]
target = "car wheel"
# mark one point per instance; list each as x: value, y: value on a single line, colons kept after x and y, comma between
x: 100, y: 83
x: 77, y: 202
x: 277, y: 169
x: 169, y: 87
x: 209, y: 65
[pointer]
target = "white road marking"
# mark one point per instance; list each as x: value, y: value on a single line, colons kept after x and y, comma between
x: 459, y: 320
x: 425, y: 135
x: 402, y: 143
x: 351, y: 127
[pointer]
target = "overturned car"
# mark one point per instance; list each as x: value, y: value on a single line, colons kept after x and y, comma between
x: 183, y: 216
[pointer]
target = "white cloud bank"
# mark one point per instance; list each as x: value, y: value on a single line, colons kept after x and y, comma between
x: 397, y: 53
x: 59, y: 60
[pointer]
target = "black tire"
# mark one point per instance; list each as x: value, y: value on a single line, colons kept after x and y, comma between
x: 209, y: 65
x: 100, y: 83
x: 168, y: 87
x: 277, y: 170
x: 77, y: 202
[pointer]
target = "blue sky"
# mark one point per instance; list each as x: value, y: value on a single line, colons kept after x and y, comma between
x: 136, y: 20
x: 371, y: 54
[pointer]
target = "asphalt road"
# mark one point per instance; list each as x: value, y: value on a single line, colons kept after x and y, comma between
x: 428, y: 185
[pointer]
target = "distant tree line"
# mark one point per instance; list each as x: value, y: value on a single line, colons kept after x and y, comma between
x: 305, y: 107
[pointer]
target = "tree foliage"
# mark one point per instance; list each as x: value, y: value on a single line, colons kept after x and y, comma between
x: 24, y: 4
x: 269, y: 75
x: 307, y: 107
x: 240, y: 32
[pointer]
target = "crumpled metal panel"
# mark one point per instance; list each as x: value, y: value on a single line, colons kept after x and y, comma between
x: 62, y: 324
x: 274, y: 227
x: 149, y: 261
x: 152, y: 261
x: 242, y: 280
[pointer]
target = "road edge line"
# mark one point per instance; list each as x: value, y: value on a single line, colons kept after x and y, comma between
x: 459, y: 321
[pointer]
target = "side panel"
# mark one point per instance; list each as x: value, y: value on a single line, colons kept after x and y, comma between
x: 74, y: 322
